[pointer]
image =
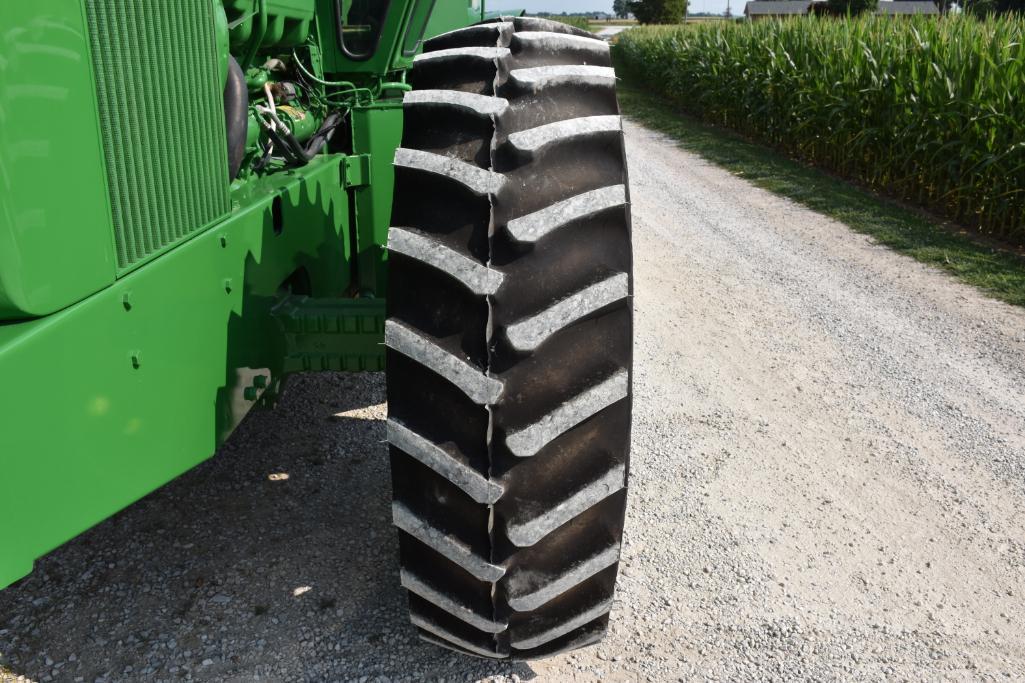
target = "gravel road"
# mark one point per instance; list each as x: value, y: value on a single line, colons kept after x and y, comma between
x: 610, y: 31
x: 828, y: 482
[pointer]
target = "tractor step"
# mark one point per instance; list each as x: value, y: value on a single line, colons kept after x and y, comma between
x: 343, y: 335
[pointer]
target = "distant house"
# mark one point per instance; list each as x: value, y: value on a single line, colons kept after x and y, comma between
x: 779, y: 9
x: 768, y: 9
x: 904, y: 8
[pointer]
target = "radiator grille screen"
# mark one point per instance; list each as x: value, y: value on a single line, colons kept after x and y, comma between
x: 162, y: 119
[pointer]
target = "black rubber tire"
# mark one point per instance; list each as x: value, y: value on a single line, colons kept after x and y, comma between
x: 510, y: 339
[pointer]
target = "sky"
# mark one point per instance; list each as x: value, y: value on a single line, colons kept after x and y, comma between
x: 557, y: 6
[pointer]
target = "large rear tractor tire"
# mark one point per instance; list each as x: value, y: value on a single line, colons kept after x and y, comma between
x: 509, y: 339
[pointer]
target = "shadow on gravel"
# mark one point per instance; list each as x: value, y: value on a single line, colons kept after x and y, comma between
x: 275, y: 560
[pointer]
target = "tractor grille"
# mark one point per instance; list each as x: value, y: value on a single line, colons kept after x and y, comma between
x: 162, y: 120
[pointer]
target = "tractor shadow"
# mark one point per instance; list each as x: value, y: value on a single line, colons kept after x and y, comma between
x: 274, y: 560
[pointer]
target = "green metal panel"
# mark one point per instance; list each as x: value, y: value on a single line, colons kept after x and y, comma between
x: 118, y: 394
x: 416, y: 31
x: 288, y: 22
x: 56, y: 245
x: 223, y: 46
x: 449, y: 15
x: 111, y: 397
x: 377, y: 132
x: 162, y: 119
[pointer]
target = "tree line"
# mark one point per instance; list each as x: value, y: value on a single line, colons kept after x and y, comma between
x: 652, y: 11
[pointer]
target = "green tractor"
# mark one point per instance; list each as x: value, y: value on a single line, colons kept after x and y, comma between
x: 199, y: 198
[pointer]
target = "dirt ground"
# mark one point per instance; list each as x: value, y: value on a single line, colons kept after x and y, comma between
x: 828, y: 482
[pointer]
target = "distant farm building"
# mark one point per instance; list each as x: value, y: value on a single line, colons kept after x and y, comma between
x: 781, y: 9
x: 768, y: 9
x: 899, y: 8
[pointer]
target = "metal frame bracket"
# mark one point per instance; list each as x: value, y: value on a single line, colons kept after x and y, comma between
x: 357, y: 170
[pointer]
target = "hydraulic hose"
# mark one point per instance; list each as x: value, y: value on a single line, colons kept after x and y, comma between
x: 236, y: 116
x: 292, y: 149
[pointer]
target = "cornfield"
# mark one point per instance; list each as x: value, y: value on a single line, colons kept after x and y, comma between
x: 930, y: 111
